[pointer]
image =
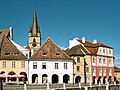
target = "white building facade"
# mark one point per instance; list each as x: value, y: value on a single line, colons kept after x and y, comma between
x: 50, y: 65
x: 50, y: 71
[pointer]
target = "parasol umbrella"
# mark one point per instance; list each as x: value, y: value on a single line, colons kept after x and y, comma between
x: 4, y: 76
x: 17, y: 76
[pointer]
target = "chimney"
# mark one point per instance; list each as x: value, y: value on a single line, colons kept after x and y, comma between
x: 94, y: 41
x: 83, y: 39
x: 11, y: 32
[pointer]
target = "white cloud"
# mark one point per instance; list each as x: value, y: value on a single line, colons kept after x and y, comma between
x: 62, y: 48
x: 117, y: 57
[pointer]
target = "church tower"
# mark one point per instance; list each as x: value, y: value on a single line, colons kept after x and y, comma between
x: 34, y: 34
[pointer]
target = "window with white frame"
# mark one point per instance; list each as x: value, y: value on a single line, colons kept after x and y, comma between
x: 87, y: 69
x: 94, y: 70
x: 22, y: 64
x: 104, y: 70
x: 100, y: 61
x: 56, y: 65
x: 94, y: 60
x: 43, y: 65
x: 78, y: 59
x: 13, y: 63
x: 34, y: 65
x: 65, y: 65
x: 78, y: 68
x: 3, y: 64
x: 103, y: 50
x: 110, y: 70
x: 100, y: 70
x: 110, y: 62
x: 104, y: 61
x: 110, y: 51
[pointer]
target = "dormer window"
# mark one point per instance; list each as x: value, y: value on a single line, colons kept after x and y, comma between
x: 7, y: 53
x: 44, y: 54
x: 57, y: 53
x: 16, y: 53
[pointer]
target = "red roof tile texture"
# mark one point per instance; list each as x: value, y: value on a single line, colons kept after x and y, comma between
x: 93, y: 48
x: 49, y: 50
x: 9, y: 50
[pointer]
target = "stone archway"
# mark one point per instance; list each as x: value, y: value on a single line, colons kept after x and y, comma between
x: 35, y: 78
x: 66, y: 78
x: 55, y: 78
x: 2, y: 72
x: 44, y: 78
x: 23, y: 79
x: 110, y: 79
x: 104, y: 80
x: 94, y: 79
x: 99, y: 80
x: 3, y: 79
x: 11, y: 73
x: 77, y: 79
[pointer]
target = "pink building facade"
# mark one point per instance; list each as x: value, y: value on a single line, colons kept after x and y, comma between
x: 102, y: 58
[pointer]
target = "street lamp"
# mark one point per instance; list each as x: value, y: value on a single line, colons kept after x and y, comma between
x: 85, y: 79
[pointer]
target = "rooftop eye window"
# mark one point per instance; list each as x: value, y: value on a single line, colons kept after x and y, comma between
x: 7, y: 53
x: 57, y: 53
x: 44, y: 53
x: 16, y: 53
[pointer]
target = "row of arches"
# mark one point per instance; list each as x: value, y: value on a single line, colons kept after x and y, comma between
x: 14, y: 79
x: 103, y: 80
x: 54, y: 78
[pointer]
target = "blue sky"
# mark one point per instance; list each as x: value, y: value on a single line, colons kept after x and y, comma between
x: 63, y: 20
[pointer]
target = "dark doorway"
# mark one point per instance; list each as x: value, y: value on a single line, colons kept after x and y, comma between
x: 34, y: 78
x: 23, y: 79
x: 94, y: 79
x: 99, y: 81
x: 12, y: 73
x: 44, y: 78
x: 110, y: 79
x: 104, y: 80
x: 54, y: 78
x: 77, y: 79
x: 3, y: 79
x: 65, y: 78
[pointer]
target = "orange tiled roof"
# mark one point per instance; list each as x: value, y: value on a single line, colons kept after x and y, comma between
x: 49, y: 50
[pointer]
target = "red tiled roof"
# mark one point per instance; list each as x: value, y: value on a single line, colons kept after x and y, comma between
x: 93, y: 48
x: 87, y: 43
x: 49, y: 50
x: 9, y: 50
x: 99, y: 44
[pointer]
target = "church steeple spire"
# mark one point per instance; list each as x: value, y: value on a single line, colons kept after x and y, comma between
x: 35, y: 29
x: 34, y: 35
